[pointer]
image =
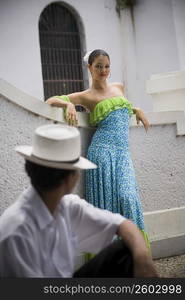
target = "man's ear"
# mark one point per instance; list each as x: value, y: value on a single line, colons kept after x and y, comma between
x: 71, y: 180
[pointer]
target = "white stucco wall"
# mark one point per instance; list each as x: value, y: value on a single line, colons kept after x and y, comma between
x: 158, y: 157
x: 19, y: 52
x: 17, y: 126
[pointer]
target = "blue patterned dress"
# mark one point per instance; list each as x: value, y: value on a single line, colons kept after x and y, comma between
x: 112, y: 185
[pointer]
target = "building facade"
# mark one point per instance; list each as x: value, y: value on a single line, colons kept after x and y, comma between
x: 142, y: 39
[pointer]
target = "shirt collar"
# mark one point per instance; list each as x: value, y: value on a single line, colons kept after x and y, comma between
x: 39, y: 209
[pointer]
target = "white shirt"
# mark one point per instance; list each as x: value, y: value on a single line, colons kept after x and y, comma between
x: 33, y: 243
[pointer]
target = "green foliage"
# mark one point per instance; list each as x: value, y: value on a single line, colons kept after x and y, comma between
x: 121, y: 4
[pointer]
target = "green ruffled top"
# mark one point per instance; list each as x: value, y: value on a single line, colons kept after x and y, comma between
x: 104, y: 107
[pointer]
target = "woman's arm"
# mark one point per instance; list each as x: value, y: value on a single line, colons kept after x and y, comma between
x: 140, y: 116
x: 133, y: 239
x: 120, y: 86
x: 74, y: 98
x: 70, y: 111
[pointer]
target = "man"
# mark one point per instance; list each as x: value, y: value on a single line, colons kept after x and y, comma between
x: 44, y: 229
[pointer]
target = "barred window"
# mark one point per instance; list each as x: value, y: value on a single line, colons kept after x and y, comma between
x: 61, y: 53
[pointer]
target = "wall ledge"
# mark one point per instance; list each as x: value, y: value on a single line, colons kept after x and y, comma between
x: 166, y: 118
x: 166, y: 230
x: 163, y: 82
x: 38, y: 107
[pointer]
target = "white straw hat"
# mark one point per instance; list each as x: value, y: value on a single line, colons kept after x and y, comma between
x: 56, y: 146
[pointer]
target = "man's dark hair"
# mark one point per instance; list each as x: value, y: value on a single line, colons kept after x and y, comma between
x: 44, y: 178
x: 95, y: 54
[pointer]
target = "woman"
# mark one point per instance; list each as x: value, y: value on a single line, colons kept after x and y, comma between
x: 112, y: 186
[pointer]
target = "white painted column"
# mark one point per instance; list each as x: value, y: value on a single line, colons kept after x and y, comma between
x: 129, y: 53
x: 178, y: 7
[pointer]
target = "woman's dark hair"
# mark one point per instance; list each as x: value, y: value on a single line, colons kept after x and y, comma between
x: 95, y: 54
x: 44, y: 178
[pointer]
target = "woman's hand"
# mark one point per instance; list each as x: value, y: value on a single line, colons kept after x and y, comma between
x: 70, y: 111
x: 140, y: 117
x: 71, y: 115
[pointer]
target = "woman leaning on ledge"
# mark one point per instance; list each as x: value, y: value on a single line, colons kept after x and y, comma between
x: 113, y: 185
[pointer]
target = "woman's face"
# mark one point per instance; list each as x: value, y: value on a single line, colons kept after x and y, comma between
x: 100, y: 68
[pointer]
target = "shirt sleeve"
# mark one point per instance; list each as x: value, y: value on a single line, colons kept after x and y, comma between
x: 18, y: 258
x: 94, y: 227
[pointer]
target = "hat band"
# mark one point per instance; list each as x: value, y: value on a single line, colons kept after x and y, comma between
x: 58, y: 161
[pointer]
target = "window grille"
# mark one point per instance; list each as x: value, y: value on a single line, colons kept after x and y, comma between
x: 60, y: 51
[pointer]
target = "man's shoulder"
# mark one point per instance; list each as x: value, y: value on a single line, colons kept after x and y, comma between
x: 72, y: 201
x: 11, y: 219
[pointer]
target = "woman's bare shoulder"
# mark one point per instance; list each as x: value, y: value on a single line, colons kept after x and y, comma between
x: 78, y: 97
x: 118, y: 85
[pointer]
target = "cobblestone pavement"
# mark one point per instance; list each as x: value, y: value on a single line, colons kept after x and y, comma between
x: 171, y: 267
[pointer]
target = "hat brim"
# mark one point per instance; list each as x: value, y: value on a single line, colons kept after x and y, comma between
x: 81, y: 164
